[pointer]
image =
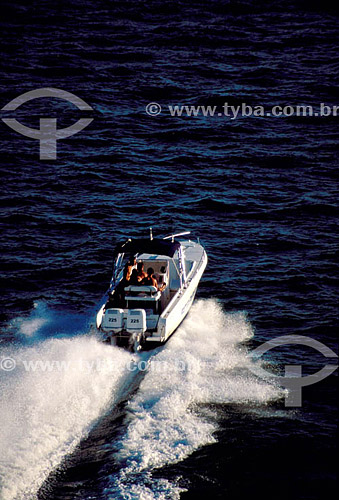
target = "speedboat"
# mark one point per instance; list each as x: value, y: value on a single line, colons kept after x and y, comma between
x: 145, y: 316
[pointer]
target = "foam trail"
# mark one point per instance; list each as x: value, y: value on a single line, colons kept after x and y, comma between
x: 48, y: 404
x: 43, y: 323
x: 202, y: 363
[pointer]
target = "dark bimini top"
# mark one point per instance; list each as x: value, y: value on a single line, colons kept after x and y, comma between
x: 153, y: 247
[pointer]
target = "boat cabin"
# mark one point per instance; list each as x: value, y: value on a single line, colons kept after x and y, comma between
x: 146, y: 303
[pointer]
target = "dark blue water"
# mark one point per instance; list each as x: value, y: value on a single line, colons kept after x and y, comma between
x: 261, y: 193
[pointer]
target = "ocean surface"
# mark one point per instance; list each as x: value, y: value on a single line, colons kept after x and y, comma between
x: 200, y: 417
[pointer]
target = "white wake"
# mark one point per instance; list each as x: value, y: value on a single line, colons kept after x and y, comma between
x: 60, y: 387
x: 49, y: 402
x: 202, y: 363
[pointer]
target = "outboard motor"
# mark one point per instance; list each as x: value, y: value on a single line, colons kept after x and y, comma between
x: 113, y: 320
x: 136, y: 321
x: 136, y: 327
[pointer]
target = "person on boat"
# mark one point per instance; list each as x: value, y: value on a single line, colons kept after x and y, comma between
x: 151, y: 281
x: 141, y: 272
x: 134, y: 279
x: 131, y: 264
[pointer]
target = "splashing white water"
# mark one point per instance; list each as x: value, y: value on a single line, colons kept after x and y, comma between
x: 48, y: 404
x: 204, y: 365
x: 60, y: 387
